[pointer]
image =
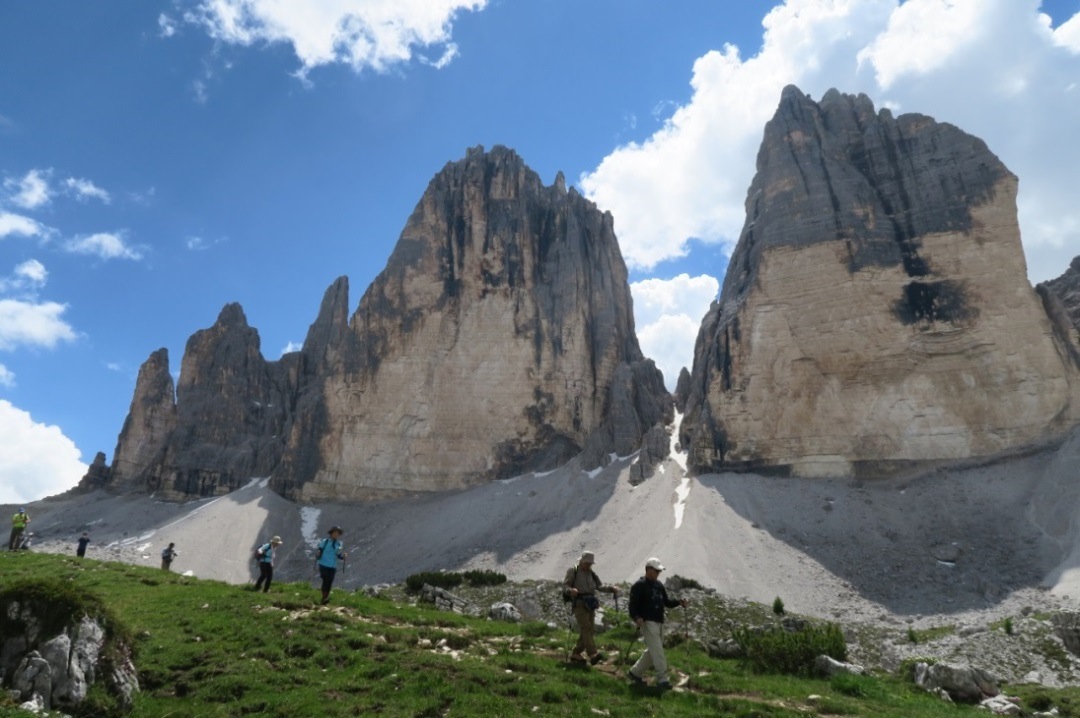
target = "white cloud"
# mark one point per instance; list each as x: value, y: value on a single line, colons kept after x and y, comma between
x: 166, y: 25
x: 27, y: 276
x: 365, y: 34
x: 106, y: 245
x: 1000, y: 74
x: 7, y: 377
x: 30, y: 192
x: 667, y: 315
x: 39, y: 324
x: 37, y: 460
x: 1067, y: 34
x: 85, y: 189
x: 18, y: 224
x: 291, y: 347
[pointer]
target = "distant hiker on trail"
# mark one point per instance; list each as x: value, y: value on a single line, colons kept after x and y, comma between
x: 326, y: 557
x: 580, y: 588
x: 83, y: 541
x: 266, y: 563
x: 648, y: 598
x: 18, y: 525
x: 167, y: 555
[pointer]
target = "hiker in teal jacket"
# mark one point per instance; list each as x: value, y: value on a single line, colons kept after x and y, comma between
x: 326, y: 557
x: 266, y: 563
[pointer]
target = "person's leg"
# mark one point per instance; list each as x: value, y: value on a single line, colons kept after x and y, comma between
x: 262, y: 576
x: 269, y: 571
x: 654, y: 639
x: 645, y: 662
x: 327, y: 574
x: 581, y: 615
x: 15, y: 531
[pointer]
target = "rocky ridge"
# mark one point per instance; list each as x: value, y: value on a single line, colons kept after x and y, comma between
x: 505, y: 301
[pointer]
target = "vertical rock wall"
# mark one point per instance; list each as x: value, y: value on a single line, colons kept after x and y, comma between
x: 876, y: 313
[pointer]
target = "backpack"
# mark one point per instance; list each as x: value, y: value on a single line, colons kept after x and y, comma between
x: 260, y: 553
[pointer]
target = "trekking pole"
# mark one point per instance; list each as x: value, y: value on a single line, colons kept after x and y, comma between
x: 633, y: 637
x: 569, y: 632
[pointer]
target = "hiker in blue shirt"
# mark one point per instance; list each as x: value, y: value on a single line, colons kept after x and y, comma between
x: 266, y: 563
x: 326, y: 557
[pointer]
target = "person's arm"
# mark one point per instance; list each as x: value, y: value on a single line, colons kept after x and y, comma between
x: 568, y: 583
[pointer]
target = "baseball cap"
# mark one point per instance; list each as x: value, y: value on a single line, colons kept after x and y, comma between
x: 654, y: 563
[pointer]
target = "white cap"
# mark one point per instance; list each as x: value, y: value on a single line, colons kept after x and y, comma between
x: 654, y: 563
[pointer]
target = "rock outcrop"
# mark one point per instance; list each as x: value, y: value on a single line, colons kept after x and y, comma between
x: 56, y: 643
x: 498, y: 340
x: 876, y: 312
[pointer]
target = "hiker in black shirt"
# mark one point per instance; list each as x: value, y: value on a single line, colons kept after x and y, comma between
x: 648, y: 599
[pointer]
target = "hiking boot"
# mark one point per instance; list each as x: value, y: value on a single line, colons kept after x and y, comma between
x: 577, y: 658
x: 596, y: 658
x: 635, y: 678
x: 664, y: 685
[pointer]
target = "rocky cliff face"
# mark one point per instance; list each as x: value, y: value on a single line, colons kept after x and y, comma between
x: 498, y: 340
x: 876, y: 311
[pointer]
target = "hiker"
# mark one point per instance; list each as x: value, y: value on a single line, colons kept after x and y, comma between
x: 266, y: 563
x: 326, y: 558
x: 580, y: 587
x: 167, y: 555
x: 648, y: 599
x: 83, y: 541
x: 18, y: 525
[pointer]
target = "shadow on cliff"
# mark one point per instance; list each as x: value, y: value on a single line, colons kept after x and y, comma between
x: 946, y: 541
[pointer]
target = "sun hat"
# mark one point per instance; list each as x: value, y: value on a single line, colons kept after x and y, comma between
x: 588, y: 557
x: 276, y: 539
x: 335, y: 528
x: 654, y: 563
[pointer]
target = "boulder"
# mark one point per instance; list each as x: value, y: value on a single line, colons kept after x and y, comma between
x: 962, y: 683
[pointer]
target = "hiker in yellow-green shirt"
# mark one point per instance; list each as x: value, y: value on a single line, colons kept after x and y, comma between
x: 18, y: 525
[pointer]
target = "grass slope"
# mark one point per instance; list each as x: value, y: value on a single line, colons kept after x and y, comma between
x: 205, y: 648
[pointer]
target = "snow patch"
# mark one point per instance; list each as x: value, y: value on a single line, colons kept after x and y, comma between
x: 679, y: 456
x: 309, y: 523
x: 680, y: 504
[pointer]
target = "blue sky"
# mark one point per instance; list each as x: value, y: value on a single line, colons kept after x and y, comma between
x: 161, y: 159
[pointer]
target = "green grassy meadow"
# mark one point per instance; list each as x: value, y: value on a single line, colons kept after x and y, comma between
x: 205, y: 648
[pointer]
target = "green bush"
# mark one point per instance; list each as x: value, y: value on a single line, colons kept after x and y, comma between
x: 688, y: 582
x: 912, y: 636
x: 439, y: 579
x: 776, y: 650
x: 1008, y: 626
x: 484, y: 578
x: 778, y: 606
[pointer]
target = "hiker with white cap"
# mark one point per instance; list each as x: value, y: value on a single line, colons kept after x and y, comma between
x: 648, y: 599
x: 265, y: 554
x: 580, y: 588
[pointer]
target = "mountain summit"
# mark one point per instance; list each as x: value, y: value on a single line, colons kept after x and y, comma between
x: 876, y: 312
x: 498, y: 340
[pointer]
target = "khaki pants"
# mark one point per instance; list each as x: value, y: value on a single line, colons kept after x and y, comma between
x: 653, y: 657
x: 586, y: 629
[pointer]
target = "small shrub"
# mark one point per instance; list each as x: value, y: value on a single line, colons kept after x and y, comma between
x: 912, y: 636
x: 439, y: 579
x: 791, y: 652
x: 907, y: 666
x: 1008, y: 626
x: 688, y: 582
x: 778, y: 606
x: 484, y: 578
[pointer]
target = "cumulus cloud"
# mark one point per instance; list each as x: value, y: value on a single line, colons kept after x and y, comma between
x: 84, y: 189
x: 104, y: 245
x: 291, y: 347
x: 7, y: 377
x: 18, y: 224
x: 30, y: 192
x: 365, y: 34
x: 30, y: 323
x: 37, y: 460
x: 992, y: 67
x: 667, y: 314
x: 28, y: 276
